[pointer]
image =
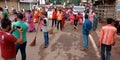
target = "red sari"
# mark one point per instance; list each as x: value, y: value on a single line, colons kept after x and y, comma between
x: 63, y: 20
x: 36, y: 15
x: 72, y: 18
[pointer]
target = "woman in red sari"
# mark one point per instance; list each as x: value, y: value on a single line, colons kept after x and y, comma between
x: 36, y: 15
x: 63, y: 20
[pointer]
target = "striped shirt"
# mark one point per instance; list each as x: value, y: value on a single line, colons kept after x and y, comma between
x: 108, y: 35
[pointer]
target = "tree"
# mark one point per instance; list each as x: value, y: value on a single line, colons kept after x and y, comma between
x: 51, y: 1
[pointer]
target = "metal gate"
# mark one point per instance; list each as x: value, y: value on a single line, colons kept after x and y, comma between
x: 24, y: 6
x: 106, y: 11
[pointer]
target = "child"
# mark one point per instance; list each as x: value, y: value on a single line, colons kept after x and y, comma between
x: 45, y: 30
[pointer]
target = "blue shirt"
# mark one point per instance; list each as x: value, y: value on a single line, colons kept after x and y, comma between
x: 87, y: 26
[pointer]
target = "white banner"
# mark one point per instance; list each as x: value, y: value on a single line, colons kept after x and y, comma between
x: 83, y: 0
x: 42, y: 1
x: 28, y: 0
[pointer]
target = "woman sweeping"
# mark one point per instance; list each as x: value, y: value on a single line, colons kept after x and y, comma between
x: 30, y: 22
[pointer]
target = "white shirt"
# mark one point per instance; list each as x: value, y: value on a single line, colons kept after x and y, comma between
x: 45, y: 28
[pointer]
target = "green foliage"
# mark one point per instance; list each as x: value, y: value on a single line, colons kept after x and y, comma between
x: 76, y: 2
x: 51, y: 1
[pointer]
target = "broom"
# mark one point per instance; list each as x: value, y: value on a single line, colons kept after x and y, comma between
x: 33, y: 43
x: 51, y: 30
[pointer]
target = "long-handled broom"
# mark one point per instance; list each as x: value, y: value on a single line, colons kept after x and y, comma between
x: 33, y: 43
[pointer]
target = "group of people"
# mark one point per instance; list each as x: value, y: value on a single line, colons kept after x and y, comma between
x: 13, y: 33
x: 60, y: 16
x: 13, y: 36
x: 89, y: 23
x: 107, y: 37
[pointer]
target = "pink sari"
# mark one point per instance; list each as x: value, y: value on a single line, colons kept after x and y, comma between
x: 40, y: 23
x: 91, y: 17
x: 31, y: 23
x: 80, y: 21
x: 72, y: 18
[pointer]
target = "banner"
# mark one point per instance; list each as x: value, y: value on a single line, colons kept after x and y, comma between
x: 42, y: 1
x: 83, y: 0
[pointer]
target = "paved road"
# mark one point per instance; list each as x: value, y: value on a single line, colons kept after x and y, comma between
x: 66, y: 45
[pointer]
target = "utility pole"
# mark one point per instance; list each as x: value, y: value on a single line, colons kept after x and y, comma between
x: 6, y: 3
x: 87, y: 1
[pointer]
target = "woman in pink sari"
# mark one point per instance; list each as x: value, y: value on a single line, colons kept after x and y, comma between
x: 41, y: 16
x: 40, y: 22
x: 80, y: 21
x: 91, y: 16
x: 30, y: 22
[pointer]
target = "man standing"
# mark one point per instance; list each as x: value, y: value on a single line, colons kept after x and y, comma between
x: 4, y: 14
x: 86, y: 28
x: 59, y: 18
x: 54, y: 17
x: 107, y: 39
x: 7, y: 41
x: 24, y: 25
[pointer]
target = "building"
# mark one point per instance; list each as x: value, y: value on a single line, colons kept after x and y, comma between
x: 27, y: 4
x: 21, y: 4
x: 9, y: 3
x: 106, y: 9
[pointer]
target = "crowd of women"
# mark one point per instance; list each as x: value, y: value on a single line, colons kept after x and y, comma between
x: 24, y: 20
x: 59, y: 17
